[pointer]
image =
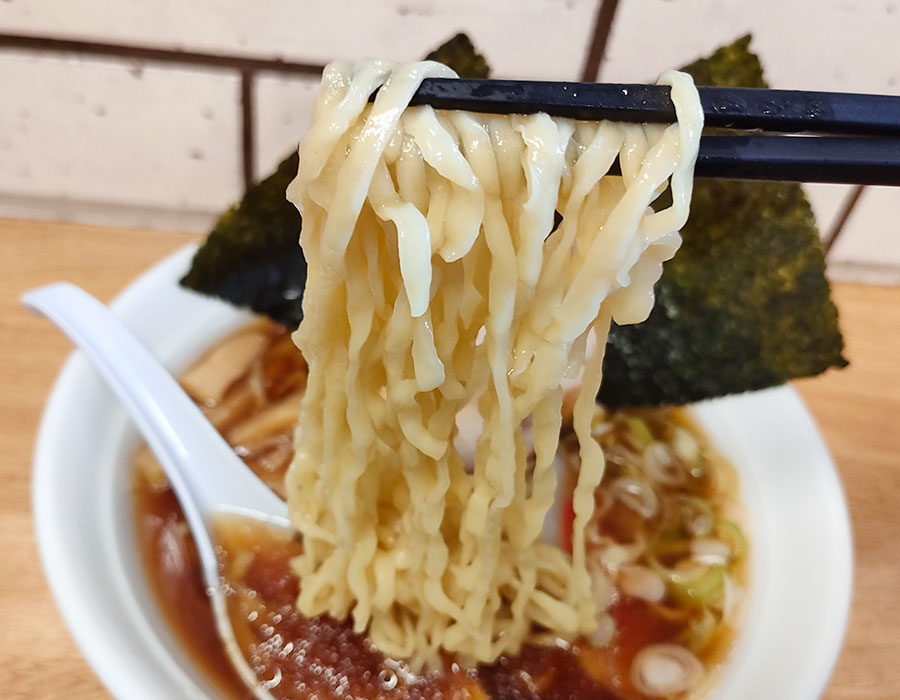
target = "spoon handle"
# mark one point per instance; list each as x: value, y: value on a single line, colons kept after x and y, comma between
x: 206, y: 474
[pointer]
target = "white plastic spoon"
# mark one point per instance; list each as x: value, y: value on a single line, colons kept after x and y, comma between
x: 209, y: 479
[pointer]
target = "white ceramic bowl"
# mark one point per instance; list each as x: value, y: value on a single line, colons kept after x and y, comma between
x: 801, y: 562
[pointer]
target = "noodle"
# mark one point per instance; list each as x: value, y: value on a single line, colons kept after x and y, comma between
x: 434, y: 280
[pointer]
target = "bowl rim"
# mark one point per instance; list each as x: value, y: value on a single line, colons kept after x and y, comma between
x: 117, y: 667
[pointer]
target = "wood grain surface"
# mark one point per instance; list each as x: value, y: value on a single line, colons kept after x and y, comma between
x: 858, y: 410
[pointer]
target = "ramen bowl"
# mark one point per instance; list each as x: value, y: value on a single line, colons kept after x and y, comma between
x: 800, y: 565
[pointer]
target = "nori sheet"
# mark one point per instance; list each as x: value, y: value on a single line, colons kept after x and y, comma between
x: 744, y: 305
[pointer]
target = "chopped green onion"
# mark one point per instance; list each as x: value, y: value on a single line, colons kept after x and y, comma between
x: 733, y: 536
x: 685, y: 446
x: 697, y: 515
x: 662, y: 467
x: 701, y: 630
x: 697, y: 589
x: 639, y: 430
x: 635, y: 494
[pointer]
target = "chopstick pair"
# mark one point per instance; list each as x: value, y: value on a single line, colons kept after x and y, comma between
x: 816, y: 136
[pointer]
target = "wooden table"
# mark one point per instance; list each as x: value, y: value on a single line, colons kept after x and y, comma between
x: 858, y: 409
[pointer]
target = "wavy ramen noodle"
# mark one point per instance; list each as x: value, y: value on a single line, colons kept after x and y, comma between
x: 436, y: 279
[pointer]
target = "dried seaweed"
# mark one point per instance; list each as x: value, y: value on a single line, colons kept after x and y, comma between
x: 744, y: 305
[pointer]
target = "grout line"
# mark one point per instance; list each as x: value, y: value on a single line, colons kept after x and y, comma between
x: 864, y: 273
x: 108, y: 213
x: 840, y: 220
x: 596, y: 50
x: 248, y: 146
x: 147, y: 53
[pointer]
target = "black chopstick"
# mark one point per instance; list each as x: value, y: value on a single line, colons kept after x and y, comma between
x: 837, y: 159
x: 834, y: 159
x: 736, y: 108
x: 854, y: 138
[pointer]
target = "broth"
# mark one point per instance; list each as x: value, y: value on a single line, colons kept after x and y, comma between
x: 249, y: 386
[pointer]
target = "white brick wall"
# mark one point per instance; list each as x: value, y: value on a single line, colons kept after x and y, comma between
x: 535, y: 38
x: 98, y: 132
x: 111, y: 141
x: 153, y: 158
x: 869, y: 248
x: 283, y: 112
x: 832, y: 45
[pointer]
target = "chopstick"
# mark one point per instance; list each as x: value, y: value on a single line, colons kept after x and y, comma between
x: 856, y: 137
x: 734, y: 108
x: 831, y: 159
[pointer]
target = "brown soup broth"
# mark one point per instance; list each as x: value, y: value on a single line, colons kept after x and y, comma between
x: 322, y: 657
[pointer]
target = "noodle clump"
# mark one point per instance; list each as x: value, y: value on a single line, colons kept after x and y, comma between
x: 435, y: 279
